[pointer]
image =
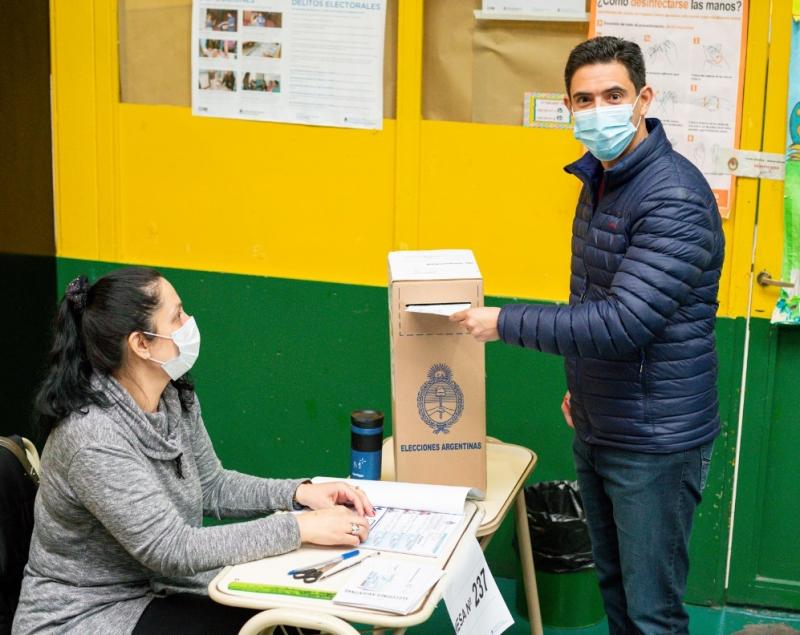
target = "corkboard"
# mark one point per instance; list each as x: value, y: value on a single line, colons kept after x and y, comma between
x: 479, y: 70
x: 154, y: 53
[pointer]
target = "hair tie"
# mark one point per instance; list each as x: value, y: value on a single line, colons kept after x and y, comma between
x: 78, y: 292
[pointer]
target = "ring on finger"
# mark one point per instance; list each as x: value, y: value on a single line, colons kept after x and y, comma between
x: 354, y: 529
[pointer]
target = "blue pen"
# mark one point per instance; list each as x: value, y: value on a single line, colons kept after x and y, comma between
x: 339, y: 558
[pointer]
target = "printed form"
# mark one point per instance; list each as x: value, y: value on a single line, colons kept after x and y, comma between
x: 389, y: 585
x: 414, y: 532
x: 412, y: 518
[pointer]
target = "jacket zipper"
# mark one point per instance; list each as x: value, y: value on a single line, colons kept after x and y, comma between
x: 643, y: 382
x: 595, y: 205
x: 578, y: 357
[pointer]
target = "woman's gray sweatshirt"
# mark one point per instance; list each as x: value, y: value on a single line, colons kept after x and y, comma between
x: 119, y: 513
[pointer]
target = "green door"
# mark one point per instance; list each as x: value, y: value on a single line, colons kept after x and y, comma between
x: 765, y: 556
x: 765, y: 550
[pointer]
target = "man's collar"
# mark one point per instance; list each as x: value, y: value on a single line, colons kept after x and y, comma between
x: 589, y: 170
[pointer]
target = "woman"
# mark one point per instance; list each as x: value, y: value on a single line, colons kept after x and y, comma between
x: 128, y: 471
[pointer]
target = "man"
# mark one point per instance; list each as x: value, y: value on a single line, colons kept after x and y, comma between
x: 637, y: 335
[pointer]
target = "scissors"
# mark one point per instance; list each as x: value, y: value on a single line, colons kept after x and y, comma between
x: 312, y: 575
x: 314, y: 572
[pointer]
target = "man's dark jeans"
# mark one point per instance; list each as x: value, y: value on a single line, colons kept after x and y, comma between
x: 639, y: 508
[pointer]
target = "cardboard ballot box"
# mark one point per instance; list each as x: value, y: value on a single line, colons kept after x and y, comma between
x: 438, y: 370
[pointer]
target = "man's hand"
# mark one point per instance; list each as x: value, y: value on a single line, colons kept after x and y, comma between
x: 329, y: 495
x: 566, y: 410
x: 481, y: 322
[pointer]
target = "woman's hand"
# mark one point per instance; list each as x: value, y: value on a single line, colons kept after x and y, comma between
x: 335, y: 526
x: 327, y: 495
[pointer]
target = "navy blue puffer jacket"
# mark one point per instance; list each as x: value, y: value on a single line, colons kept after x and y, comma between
x: 638, y: 334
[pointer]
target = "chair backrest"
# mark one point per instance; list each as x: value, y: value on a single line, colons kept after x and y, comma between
x: 26, y: 453
x: 19, y: 475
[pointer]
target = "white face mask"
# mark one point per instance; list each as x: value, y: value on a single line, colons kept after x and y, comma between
x: 187, y: 339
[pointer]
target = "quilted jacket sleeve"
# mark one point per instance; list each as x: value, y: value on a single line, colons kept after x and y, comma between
x: 672, y: 241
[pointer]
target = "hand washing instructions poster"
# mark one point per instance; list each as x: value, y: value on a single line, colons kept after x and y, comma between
x: 694, y: 54
x: 317, y: 62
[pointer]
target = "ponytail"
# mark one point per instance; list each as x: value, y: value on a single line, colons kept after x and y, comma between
x: 67, y: 385
x: 185, y: 387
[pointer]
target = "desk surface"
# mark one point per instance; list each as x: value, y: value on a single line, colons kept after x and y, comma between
x: 507, y: 468
x: 308, y: 554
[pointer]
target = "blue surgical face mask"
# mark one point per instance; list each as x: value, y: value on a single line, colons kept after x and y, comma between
x: 606, y: 131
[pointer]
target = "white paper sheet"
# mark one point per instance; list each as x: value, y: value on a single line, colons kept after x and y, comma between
x: 412, y: 518
x: 414, y: 532
x: 389, y: 585
x: 445, y: 499
x: 510, y: 8
x: 315, y: 62
x: 446, y: 309
x: 473, y: 599
x: 757, y: 165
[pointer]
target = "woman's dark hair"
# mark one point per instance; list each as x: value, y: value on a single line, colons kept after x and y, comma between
x: 91, y: 330
x: 603, y: 50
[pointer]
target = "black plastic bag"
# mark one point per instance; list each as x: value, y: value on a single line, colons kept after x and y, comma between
x: 557, y: 522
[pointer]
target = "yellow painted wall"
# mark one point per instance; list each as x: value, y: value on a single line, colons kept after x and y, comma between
x: 152, y: 184
x: 769, y: 250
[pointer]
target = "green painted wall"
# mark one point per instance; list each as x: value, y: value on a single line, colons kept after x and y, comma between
x: 284, y: 362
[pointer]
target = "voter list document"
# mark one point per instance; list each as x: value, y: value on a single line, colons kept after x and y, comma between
x: 413, y: 532
x: 412, y: 518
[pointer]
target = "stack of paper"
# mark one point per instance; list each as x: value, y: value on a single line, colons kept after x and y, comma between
x: 394, y: 586
x: 444, y: 499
